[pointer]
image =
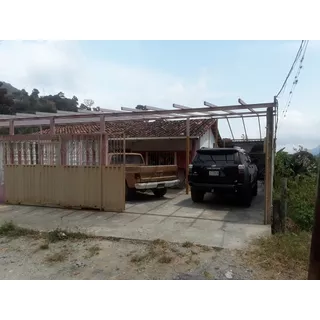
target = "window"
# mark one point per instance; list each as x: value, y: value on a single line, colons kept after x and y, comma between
x: 130, y: 159
x: 219, y: 158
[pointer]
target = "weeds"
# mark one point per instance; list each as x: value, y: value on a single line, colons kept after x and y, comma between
x: 208, y: 275
x: 187, y: 244
x: 283, y: 256
x: 93, y: 251
x: 57, y: 257
x: 44, y: 246
x: 9, y: 229
x: 61, y: 235
x: 165, y: 259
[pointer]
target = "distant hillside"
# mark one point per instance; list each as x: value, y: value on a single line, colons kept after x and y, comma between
x: 315, y: 151
x: 10, y: 89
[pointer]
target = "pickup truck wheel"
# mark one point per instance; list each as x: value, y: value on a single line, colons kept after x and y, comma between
x: 196, y: 195
x: 130, y: 193
x: 159, y: 193
x: 255, y: 189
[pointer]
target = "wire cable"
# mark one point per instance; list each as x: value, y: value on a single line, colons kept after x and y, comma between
x: 295, y: 81
x: 291, y: 69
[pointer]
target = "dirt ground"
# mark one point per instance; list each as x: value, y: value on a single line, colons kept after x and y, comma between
x: 35, y: 257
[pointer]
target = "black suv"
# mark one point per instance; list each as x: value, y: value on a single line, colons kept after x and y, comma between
x: 225, y: 170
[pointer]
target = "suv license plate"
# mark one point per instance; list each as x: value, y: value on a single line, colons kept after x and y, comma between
x: 214, y: 173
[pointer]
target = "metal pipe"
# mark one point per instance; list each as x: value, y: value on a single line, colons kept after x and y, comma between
x: 245, y: 129
x: 230, y: 128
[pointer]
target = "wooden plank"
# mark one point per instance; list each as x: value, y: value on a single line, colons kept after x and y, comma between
x: 314, y: 264
x: 269, y: 167
x: 187, y: 153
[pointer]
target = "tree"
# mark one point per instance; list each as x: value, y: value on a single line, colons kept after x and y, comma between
x: 35, y: 93
x: 6, y: 102
x: 88, y: 103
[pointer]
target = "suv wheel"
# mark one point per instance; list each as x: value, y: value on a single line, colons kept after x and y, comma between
x: 255, y: 189
x: 246, y: 196
x: 196, y: 195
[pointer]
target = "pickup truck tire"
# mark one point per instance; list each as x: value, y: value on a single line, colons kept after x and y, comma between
x: 130, y: 193
x: 196, y: 195
x: 159, y: 193
x: 255, y: 189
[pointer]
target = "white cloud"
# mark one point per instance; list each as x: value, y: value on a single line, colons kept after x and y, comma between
x: 53, y: 66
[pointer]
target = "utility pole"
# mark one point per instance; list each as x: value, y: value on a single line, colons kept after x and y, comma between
x: 314, y: 264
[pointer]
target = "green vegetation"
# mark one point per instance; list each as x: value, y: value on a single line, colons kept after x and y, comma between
x: 13, y: 100
x: 301, y: 170
x: 281, y: 257
x: 286, y: 256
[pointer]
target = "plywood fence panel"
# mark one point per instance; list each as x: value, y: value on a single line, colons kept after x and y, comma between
x: 66, y: 186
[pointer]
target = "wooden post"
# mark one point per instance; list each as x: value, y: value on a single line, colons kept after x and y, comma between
x: 314, y: 264
x: 216, y: 136
x: 11, y: 127
x: 276, y: 221
x: 269, y: 169
x: 102, y: 157
x: 283, y: 201
x: 187, y: 153
x: 52, y: 126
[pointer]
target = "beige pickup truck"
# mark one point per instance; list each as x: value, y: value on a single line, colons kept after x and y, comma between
x: 140, y: 177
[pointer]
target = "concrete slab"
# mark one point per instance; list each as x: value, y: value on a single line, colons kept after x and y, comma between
x: 175, y: 218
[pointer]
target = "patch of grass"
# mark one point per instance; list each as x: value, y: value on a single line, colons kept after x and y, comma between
x: 57, y: 257
x: 44, y: 246
x: 205, y: 248
x: 187, y: 244
x: 165, y: 259
x: 208, y: 275
x: 161, y: 243
x: 156, y: 248
x: 62, y: 235
x: 9, y: 229
x: 281, y: 256
x: 93, y: 251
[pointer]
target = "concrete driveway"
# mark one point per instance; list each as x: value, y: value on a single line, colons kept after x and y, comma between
x: 216, y: 222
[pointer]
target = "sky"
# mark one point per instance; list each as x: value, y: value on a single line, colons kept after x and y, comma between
x: 160, y: 73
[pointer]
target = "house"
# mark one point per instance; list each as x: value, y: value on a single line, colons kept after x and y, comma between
x: 159, y: 141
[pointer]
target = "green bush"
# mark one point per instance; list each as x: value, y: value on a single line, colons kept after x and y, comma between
x: 301, y: 171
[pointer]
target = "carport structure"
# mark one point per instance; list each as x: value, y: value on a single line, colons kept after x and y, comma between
x: 148, y: 113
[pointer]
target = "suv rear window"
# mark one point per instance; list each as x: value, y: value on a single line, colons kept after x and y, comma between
x: 216, y: 158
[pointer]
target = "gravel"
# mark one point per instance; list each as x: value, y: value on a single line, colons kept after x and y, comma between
x: 27, y: 258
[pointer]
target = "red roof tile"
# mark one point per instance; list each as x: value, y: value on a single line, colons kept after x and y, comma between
x: 141, y: 129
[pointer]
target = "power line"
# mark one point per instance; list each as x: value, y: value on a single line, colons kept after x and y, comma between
x: 283, y: 87
x: 295, y: 81
x: 292, y: 67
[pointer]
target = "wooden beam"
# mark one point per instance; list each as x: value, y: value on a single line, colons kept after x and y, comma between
x: 52, y: 126
x: 314, y: 263
x: 245, y: 129
x: 230, y: 128
x: 269, y: 166
x: 187, y: 153
x: 11, y: 127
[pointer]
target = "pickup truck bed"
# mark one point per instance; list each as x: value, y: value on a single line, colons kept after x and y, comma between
x: 140, y: 177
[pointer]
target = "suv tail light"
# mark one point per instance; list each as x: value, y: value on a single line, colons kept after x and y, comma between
x: 241, y: 168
